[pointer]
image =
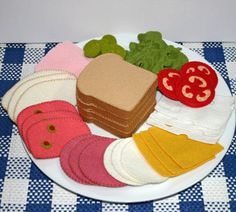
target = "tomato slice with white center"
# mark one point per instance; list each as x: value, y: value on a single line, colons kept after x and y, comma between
x: 167, y: 79
x: 195, y: 67
x: 195, y: 90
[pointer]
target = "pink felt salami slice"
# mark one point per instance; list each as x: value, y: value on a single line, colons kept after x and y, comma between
x: 66, y: 154
x: 75, y: 154
x: 43, y: 116
x: 92, y: 166
x: 46, y: 138
x: 44, y: 107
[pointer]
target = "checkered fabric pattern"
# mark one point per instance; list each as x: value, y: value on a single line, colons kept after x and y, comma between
x: 23, y: 187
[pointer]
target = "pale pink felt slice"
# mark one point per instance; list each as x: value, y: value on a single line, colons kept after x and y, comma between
x: 44, y: 107
x: 75, y: 154
x: 45, y: 143
x: 66, y: 153
x: 43, y: 116
x: 92, y: 166
x: 65, y: 56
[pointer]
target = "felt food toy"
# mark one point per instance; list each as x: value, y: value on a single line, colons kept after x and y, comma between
x: 195, y: 67
x: 107, y: 44
x: 167, y: 79
x: 115, y: 94
x: 172, y: 155
x: 194, y: 85
x: 64, y: 56
x: 195, y: 90
x: 153, y: 54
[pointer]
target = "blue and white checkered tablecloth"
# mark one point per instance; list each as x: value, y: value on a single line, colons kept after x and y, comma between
x: 23, y: 187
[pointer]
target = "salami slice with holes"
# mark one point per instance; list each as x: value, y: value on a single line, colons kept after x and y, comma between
x: 167, y: 79
x: 195, y: 90
x: 196, y: 67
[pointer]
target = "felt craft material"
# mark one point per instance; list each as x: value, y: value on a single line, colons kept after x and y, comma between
x: 151, y: 158
x: 69, y: 158
x: 119, y: 174
x: 118, y: 128
x: 65, y: 56
x: 49, y: 106
x: 25, y: 86
x: 7, y: 96
x: 120, y: 89
x: 213, y: 116
x: 75, y: 155
x: 91, y: 164
x: 193, y: 134
x: 43, y: 116
x: 116, y: 162
x: 59, y: 89
x: 46, y: 138
x: 135, y: 164
x: 185, y: 152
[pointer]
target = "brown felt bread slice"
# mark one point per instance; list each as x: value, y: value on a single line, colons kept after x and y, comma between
x: 148, y: 100
x: 114, y: 128
x: 122, y: 124
x: 114, y: 84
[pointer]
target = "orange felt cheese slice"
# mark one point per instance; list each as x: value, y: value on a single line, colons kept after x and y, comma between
x: 185, y: 152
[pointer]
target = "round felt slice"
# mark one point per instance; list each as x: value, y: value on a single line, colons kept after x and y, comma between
x: 58, y: 89
x: 46, y: 138
x: 43, y: 116
x: 109, y: 166
x: 7, y: 97
x: 167, y: 79
x: 28, y: 84
x: 75, y: 154
x: 135, y: 164
x: 56, y: 105
x: 113, y: 166
x: 66, y: 155
x: 92, y: 166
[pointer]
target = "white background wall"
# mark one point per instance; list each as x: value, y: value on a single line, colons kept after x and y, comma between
x: 76, y: 20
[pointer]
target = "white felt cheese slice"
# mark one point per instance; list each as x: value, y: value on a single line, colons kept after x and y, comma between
x: 213, y: 116
x: 7, y: 97
x: 49, y: 90
x: 112, y: 164
x: 136, y: 166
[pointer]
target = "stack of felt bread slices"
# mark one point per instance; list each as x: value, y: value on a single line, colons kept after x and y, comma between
x: 115, y: 94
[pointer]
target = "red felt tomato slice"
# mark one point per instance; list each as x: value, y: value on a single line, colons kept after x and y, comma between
x: 167, y: 79
x: 195, y: 67
x: 195, y: 90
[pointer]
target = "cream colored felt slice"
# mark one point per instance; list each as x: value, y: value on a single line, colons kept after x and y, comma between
x: 6, y: 98
x: 23, y: 87
x: 110, y: 166
x: 136, y: 166
x: 58, y: 89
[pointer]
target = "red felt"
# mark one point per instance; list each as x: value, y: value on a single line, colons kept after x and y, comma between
x: 66, y: 129
x: 43, y: 116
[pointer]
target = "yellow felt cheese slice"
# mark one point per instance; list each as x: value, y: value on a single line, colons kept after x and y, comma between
x: 149, y: 157
x: 185, y: 152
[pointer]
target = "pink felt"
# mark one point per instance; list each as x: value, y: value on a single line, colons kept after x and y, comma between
x: 66, y: 153
x: 43, y: 116
x: 75, y: 154
x: 65, y: 130
x: 65, y: 56
x: 92, y: 166
x: 44, y: 107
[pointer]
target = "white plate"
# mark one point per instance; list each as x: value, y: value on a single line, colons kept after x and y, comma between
x: 52, y: 169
